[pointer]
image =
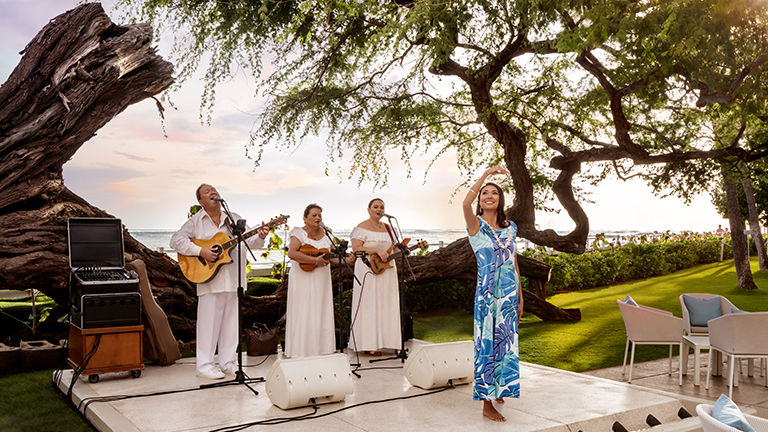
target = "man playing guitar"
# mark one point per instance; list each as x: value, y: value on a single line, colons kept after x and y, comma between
x: 217, y: 305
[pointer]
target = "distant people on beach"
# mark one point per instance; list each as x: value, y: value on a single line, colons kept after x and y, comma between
x: 720, y: 232
x: 498, y: 299
x: 217, y: 303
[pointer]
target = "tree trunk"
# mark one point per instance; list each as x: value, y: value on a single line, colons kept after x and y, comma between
x: 79, y: 72
x: 754, y: 223
x: 738, y: 239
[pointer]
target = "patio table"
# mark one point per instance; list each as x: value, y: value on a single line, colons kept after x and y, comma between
x: 699, y: 343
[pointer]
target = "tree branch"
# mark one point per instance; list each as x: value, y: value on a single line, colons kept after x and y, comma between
x: 707, y: 97
x: 581, y: 136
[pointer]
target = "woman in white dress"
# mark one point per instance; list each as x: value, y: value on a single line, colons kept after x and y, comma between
x: 309, y: 327
x: 375, y: 304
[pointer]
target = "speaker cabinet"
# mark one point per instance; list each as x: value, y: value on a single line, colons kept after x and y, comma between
x: 293, y: 383
x: 431, y: 366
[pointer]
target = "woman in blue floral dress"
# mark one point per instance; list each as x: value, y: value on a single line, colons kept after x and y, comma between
x: 498, y: 301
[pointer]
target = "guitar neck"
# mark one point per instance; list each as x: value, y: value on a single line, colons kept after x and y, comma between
x: 398, y: 252
x: 246, y: 235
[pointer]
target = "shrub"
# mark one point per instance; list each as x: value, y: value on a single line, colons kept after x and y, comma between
x: 640, y: 258
x: 259, y: 286
x: 444, y: 294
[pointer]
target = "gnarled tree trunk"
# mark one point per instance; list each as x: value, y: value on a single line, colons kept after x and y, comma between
x: 754, y: 223
x: 738, y: 239
x: 79, y: 72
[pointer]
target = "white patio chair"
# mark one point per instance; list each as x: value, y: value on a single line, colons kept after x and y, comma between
x: 725, y: 308
x: 710, y: 424
x: 649, y: 326
x: 743, y: 335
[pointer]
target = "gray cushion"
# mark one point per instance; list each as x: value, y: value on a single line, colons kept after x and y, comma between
x: 701, y: 310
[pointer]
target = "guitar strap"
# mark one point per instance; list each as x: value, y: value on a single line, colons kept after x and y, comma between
x: 389, y: 231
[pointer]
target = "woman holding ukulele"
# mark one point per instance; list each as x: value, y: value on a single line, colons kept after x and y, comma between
x: 375, y: 303
x: 309, y: 329
x: 498, y: 300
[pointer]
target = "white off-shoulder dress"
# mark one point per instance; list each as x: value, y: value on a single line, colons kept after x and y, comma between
x: 375, y: 304
x: 309, y: 327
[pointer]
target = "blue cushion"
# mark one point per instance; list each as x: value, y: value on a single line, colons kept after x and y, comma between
x: 630, y: 301
x: 701, y: 310
x: 735, y: 310
x: 725, y: 411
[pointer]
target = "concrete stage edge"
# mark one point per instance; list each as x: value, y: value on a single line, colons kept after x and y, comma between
x: 552, y: 400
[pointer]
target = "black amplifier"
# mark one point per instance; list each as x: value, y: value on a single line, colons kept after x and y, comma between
x: 102, y: 293
x: 106, y: 310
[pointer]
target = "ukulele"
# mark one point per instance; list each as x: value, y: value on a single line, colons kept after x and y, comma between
x: 378, y: 265
x: 313, y: 251
x: 196, y: 269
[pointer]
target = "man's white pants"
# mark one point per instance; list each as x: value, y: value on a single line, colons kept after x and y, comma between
x: 216, y: 325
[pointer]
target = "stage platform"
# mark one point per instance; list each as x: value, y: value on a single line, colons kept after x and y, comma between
x: 551, y: 400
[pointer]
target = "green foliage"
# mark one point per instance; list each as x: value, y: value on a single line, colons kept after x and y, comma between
x: 193, y: 209
x: 275, y: 243
x: 372, y: 76
x: 639, y: 259
x: 260, y: 286
x: 439, y: 295
x: 20, y: 310
x: 278, y: 270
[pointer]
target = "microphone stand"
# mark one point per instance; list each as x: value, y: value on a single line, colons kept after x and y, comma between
x: 398, y: 234
x: 240, y: 376
x: 341, y: 252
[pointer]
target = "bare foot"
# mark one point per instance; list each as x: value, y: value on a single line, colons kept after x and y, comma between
x: 490, y: 412
x: 500, y: 400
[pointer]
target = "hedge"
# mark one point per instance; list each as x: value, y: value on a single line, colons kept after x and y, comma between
x: 641, y: 258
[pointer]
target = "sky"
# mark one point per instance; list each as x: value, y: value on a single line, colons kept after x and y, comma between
x: 135, y: 172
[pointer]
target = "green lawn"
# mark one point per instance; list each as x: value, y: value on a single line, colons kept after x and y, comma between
x: 30, y: 403
x: 597, y: 341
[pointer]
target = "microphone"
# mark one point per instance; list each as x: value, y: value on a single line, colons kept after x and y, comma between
x: 322, y: 225
x: 387, y: 216
x: 217, y: 198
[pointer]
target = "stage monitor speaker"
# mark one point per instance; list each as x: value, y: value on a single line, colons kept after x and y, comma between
x: 431, y: 366
x: 293, y: 383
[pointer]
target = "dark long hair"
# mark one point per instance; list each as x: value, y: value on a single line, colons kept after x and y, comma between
x: 501, y: 220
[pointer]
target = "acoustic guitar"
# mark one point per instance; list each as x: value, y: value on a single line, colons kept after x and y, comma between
x: 378, y: 265
x: 313, y: 251
x: 196, y: 269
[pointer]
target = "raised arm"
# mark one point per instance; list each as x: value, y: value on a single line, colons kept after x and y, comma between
x: 473, y: 225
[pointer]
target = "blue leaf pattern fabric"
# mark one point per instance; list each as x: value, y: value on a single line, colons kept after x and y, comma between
x: 497, y: 362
